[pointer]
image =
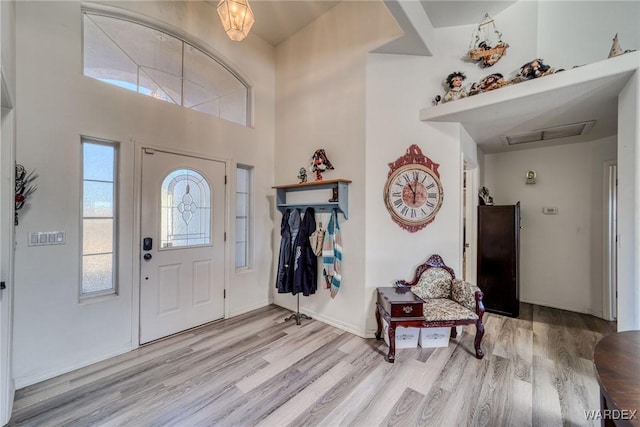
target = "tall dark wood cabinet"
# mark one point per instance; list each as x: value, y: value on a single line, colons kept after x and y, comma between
x: 498, y: 258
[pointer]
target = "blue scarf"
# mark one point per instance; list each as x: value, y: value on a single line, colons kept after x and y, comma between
x: 332, y: 255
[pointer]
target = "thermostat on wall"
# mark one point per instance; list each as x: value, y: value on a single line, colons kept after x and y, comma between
x: 547, y: 210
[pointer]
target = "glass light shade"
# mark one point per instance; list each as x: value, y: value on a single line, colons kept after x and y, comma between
x: 237, y: 18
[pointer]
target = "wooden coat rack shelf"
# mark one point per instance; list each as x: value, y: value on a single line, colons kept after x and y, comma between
x: 339, y: 197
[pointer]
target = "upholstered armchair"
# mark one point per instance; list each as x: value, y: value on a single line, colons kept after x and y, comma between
x: 448, y: 302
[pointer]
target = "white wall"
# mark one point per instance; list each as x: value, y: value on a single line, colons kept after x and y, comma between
x: 574, y: 33
x: 7, y: 49
x: 321, y: 94
x: 629, y: 205
x: 396, y: 86
x: 55, y: 333
x: 518, y: 24
x: 547, y: 30
x: 560, y: 255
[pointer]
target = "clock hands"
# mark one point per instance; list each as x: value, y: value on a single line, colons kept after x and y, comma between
x: 414, y: 193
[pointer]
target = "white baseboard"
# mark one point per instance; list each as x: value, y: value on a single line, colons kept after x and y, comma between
x: 347, y: 327
x: 562, y: 307
x: 248, y: 308
x: 28, y: 380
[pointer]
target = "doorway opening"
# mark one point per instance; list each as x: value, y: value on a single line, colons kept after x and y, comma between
x: 610, y: 285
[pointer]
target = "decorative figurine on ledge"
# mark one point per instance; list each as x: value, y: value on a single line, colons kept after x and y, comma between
x: 320, y: 163
x: 456, y: 90
x: 491, y: 82
x: 534, y: 69
x: 484, y: 197
x: 616, y: 49
x: 302, y: 175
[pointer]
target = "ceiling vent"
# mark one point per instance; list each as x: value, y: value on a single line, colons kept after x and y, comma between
x: 556, y: 132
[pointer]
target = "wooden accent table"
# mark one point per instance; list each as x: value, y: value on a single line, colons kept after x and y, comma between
x: 617, y: 363
x: 399, y: 307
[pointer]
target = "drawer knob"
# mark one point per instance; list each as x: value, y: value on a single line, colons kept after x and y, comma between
x: 407, y: 309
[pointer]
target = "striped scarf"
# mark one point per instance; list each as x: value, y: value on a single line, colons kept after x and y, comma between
x: 332, y: 255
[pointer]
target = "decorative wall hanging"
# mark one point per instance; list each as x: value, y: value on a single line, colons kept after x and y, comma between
x: 486, y: 45
x: 320, y: 163
x: 530, y: 177
x: 413, y: 192
x: 24, y: 188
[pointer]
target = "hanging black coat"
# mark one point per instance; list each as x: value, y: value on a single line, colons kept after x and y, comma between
x: 305, y: 262
x: 289, y: 228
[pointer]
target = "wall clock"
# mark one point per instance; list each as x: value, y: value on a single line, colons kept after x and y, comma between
x: 413, y: 192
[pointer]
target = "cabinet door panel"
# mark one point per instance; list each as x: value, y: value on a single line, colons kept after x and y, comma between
x: 498, y: 253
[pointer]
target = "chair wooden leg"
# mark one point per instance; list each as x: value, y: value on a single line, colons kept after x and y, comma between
x: 454, y: 332
x: 479, y: 335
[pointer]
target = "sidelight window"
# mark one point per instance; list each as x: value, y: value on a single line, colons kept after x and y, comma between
x: 99, y: 224
x: 243, y: 218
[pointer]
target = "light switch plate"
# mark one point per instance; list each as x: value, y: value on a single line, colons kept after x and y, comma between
x: 46, y: 238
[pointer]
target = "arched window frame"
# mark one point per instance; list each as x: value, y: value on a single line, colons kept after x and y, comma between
x: 186, y: 39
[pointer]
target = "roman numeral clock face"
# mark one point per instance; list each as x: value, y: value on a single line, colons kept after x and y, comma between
x: 413, y: 196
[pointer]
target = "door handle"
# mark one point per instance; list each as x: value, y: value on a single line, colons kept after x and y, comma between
x: 147, y: 256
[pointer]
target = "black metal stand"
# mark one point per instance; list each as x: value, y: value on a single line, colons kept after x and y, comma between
x: 297, y: 315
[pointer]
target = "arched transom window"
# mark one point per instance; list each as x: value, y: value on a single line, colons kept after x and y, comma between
x: 185, y: 210
x: 155, y: 63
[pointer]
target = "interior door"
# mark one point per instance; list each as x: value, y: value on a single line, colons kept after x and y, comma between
x: 182, y: 247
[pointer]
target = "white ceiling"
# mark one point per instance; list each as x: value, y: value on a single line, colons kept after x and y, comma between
x: 450, y: 13
x: 276, y: 20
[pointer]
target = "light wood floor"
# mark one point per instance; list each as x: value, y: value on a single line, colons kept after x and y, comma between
x: 257, y: 369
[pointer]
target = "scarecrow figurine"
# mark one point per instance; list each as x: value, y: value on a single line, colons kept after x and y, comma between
x: 320, y: 163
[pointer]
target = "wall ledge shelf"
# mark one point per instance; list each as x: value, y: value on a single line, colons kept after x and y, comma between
x: 339, y: 199
x: 556, y: 99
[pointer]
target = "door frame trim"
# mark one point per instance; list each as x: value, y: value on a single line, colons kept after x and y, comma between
x: 137, y: 222
x: 609, y: 270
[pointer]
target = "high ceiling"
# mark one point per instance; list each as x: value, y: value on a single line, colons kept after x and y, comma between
x: 276, y: 20
x: 444, y: 13
x: 279, y: 19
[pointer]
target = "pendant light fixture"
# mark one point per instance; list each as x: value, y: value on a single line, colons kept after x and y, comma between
x: 237, y: 18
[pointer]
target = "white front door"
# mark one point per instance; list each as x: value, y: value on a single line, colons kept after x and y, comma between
x: 182, y: 247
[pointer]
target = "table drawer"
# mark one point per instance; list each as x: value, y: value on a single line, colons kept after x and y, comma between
x: 406, y: 310
x: 400, y: 302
